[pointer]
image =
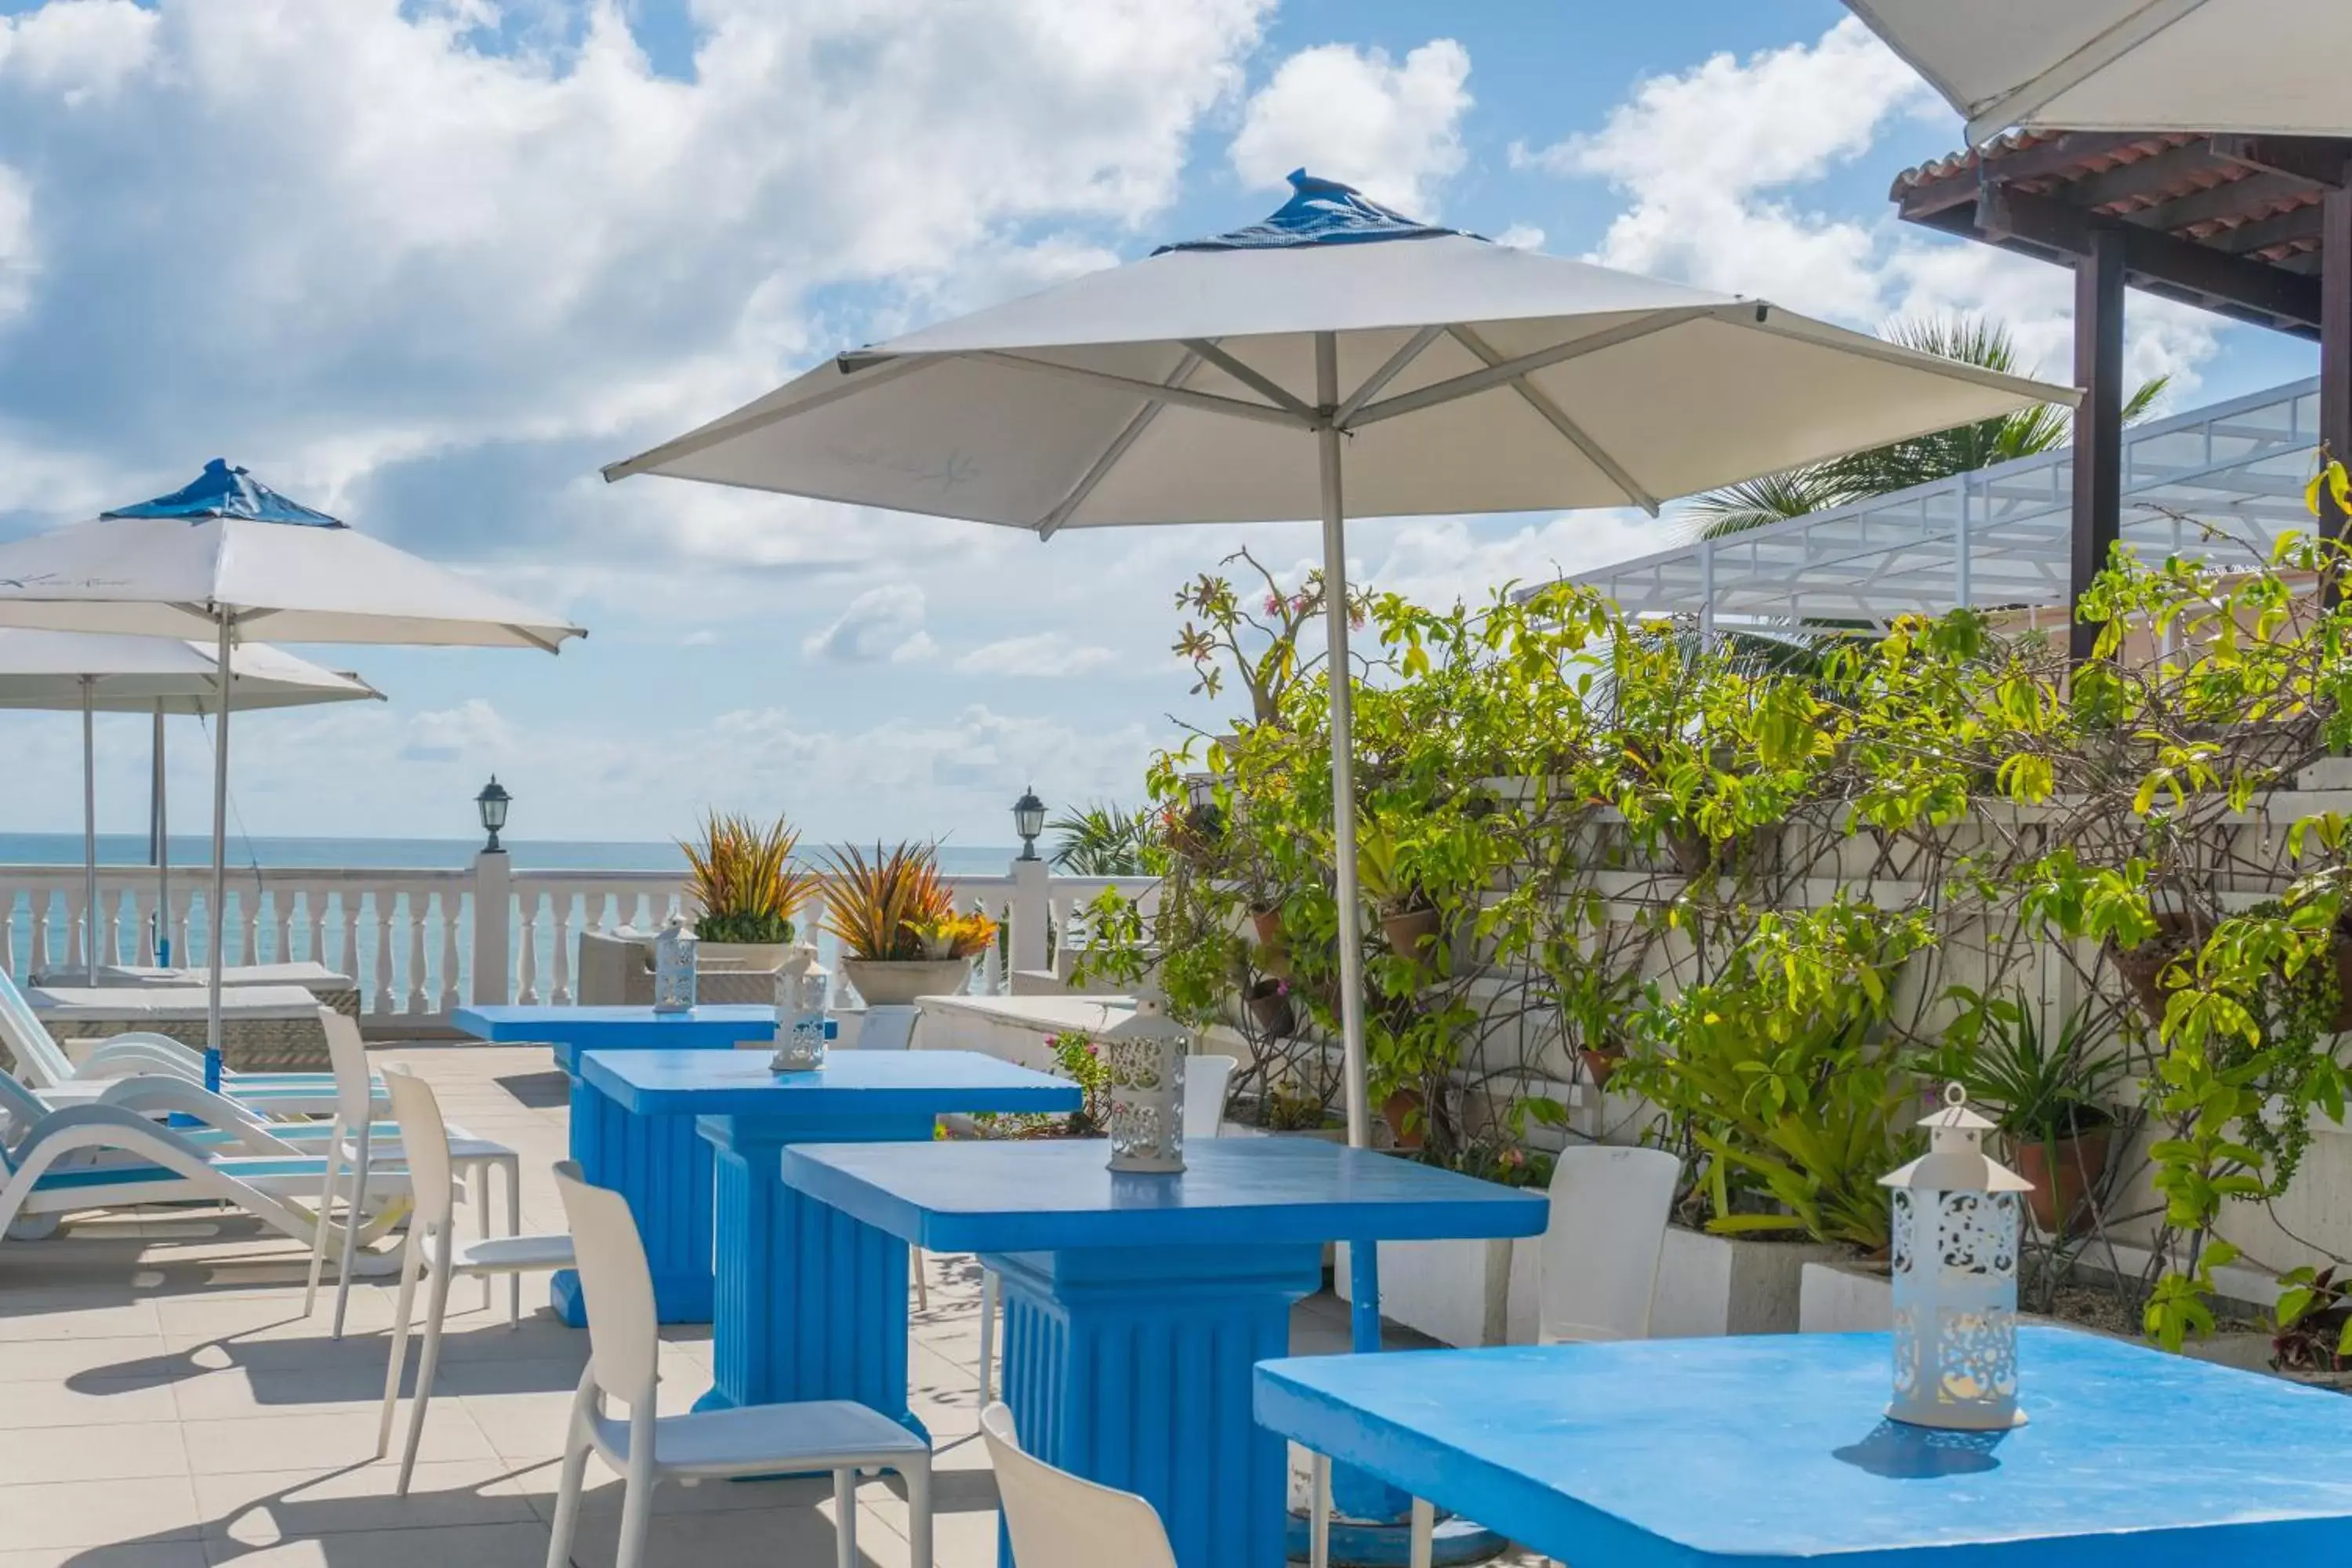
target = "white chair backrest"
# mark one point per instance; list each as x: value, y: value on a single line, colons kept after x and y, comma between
x: 1205, y: 1081
x: 615, y: 1283
x: 20, y: 1111
x: 424, y: 1141
x: 347, y: 1054
x: 1057, y: 1520
x: 1609, y: 1208
x: 38, y: 1056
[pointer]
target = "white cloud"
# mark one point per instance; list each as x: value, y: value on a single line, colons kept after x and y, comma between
x: 1716, y: 163
x: 1521, y: 237
x: 1045, y: 654
x: 473, y: 729
x: 1392, y: 129
x: 883, y: 623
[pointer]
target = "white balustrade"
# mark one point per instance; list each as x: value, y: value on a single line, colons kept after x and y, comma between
x: 371, y: 924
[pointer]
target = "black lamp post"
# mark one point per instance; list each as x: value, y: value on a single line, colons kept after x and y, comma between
x: 492, y: 804
x: 1028, y: 821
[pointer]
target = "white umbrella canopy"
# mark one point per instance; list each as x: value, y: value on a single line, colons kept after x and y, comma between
x: 227, y: 554
x: 104, y: 673
x: 2236, y: 66
x: 1338, y: 359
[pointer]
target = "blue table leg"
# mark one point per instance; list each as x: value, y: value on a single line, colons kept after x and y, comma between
x: 1131, y: 1367
x: 810, y: 1304
x: 665, y: 1172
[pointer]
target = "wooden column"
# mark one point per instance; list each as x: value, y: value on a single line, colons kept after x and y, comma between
x: 2099, y: 422
x: 2336, y: 340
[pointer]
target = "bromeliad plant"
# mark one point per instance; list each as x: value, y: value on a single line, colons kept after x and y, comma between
x: 744, y: 883
x: 883, y: 907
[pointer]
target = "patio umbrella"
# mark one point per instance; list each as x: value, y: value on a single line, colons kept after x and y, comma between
x: 97, y: 673
x: 1336, y: 358
x: 2239, y: 67
x: 227, y: 554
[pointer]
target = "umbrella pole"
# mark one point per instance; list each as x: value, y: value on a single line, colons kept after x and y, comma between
x: 1337, y: 672
x: 215, y: 914
x: 88, y: 833
x: 160, y: 826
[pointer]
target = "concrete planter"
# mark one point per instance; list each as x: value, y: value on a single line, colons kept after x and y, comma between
x: 1711, y: 1285
x: 1844, y: 1299
x: 1466, y: 1293
x: 897, y: 983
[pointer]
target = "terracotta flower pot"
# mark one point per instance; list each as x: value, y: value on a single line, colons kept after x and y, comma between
x: 1267, y: 923
x: 1400, y: 1110
x: 896, y: 983
x: 1270, y: 1009
x: 1598, y: 1065
x: 2143, y: 967
x: 2063, y: 1172
x: 1413, y: 934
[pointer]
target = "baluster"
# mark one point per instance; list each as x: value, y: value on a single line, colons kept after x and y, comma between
x: 314, y: 911
x: 249, y: 926
x: 143, y: 933
x: 416, y: 900
x: 527, y: 960
x: 449, y: 901
x: 562, y: 913
x: 40, y: 900
x: 383, y: 899
x: 8, y: 933
x: 988, y: 980
x: 281, y: 910
x: 76, y: 930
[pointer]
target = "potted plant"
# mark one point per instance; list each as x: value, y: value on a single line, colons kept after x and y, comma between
x: 2047, y: 1101
x: 1269, y: 1007
x: 1409, y: 917
x: 746, y: 892
x: 899, y: 928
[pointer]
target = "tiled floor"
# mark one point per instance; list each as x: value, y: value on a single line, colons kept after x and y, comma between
x: 169, y: 1357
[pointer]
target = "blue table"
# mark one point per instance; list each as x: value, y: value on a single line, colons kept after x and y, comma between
x: 1775, y: 1450
x: 1135, y: 1305
x: 797, y: 1286
x: 661, y: 1166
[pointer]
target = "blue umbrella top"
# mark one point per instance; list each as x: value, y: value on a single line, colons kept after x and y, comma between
x: 1319, y: 212
x: 222, y: 491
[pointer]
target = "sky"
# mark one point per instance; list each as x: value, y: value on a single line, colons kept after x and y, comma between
x: 426, y: 265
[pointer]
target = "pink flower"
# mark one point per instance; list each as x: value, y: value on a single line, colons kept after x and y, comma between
x: 1274, y: 604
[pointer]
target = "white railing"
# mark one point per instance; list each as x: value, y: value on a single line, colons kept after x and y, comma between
x: 415, y: 942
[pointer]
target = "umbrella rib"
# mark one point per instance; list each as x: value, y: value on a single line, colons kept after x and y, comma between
x: 1389, y: 371
x: 2038, y: 91
x: 1151, y: 391
x: 1051, y: 524
x: 853, y: 382
x: 1271, y: 389
x: 1495, y: 375
x: 1556, y: 417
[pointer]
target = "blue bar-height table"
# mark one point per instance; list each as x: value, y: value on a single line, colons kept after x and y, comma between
x: 809, y: 1305
x: 659, y: 1165
x: 1774, y: 1451
x: 1136, y: 1305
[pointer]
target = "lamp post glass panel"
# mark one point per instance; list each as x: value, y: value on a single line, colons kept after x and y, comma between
x: 1958, y: 1216
x: 1028, y: 822
x: 1146, y: 1052
x: 492, y: 804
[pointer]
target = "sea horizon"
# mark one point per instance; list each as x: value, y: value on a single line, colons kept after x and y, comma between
x: 411, y: 854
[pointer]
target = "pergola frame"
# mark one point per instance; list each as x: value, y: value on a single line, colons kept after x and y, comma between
x: 2256, y: 227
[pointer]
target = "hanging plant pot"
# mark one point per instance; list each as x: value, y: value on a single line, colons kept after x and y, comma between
x: 2178, y: 935
x: 1401, y: 1110
x: 1267, y: 923
x: 1599, y: 1064
x: 2064, y: 1172
x: 1413, y: 934
x: 1270, y: 1010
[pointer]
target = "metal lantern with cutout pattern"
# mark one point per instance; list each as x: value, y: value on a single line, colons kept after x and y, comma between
x: 1145, y: 1054
x: 674, y: 967
x: 1958, y: 1215
x: 802, y: 1028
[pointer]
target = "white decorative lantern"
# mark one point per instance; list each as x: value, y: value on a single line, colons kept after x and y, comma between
x: 674, y: 968
x: 1958, y: 1217
x: 802, y: 1028
x: 1145, y: 1053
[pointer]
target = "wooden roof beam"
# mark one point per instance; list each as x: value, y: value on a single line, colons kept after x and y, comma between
x: 2257, y: 191
x: 2158, y: 175
x: 2317, y: 160
x: 2279, y: 228
x: 2041, y: 161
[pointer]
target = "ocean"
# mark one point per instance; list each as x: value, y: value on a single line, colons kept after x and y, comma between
x: 349, y: 945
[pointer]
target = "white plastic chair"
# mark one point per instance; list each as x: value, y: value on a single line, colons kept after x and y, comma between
x: 835, y: 1435
x: 1206, y: 1079
x: 1057, y: 1520
x: 1600, y: 1251
x: 354, y: 1146
x: 424, y: 1142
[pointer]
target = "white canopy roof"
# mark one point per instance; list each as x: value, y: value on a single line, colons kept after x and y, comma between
x: 128, y: 674
x: 2227, y: 65
x: 1181, y: 388
x: 2003, y: 535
